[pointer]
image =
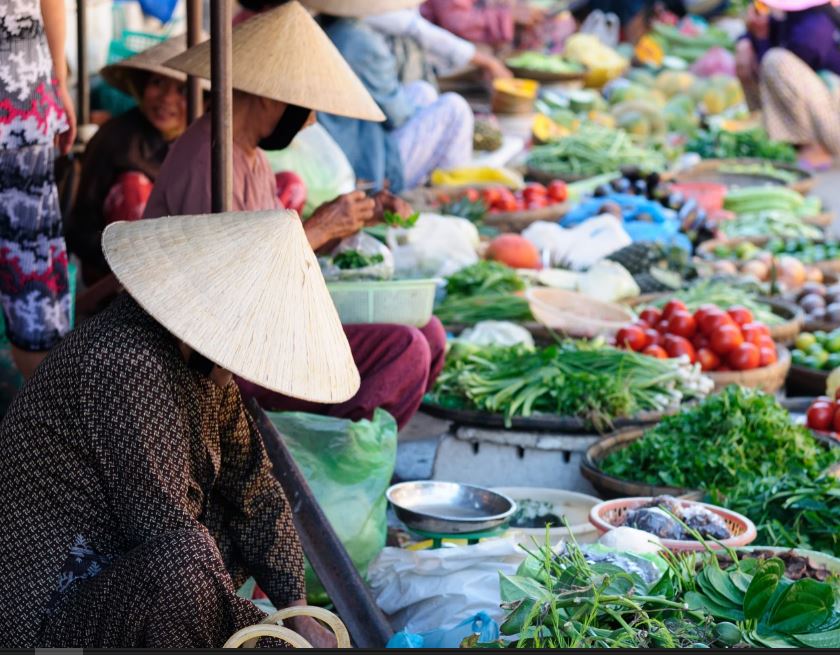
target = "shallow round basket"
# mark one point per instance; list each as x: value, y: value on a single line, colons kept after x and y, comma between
x: 518, y: 221
x: 576, y: 314
x: 546, y: 77
x: 709, y: 170
x: 610, y: 514
x: 769, y: 378
x: 609, y: 486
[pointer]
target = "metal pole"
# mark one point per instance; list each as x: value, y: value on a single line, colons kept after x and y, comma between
x: 221, y: 71
x: 356, y: 607
x: 82, y: 81
x: 195, y: 101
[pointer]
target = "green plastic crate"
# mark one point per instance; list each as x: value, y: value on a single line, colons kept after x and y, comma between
x: 405, y: 302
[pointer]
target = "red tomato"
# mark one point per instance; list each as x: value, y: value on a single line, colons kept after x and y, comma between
x: 745, y: 357
x: 763, y: 329
x: 703, y: 310
x: 700, y: 340
x: 682, y: 324
x: 534, y: 190
x: 709, y: 361
x: 821, y: 416
x: 653, y: 337
x: 662, y: 326
x: 766, y: 342
x: 713, y: 320
x: 752, y: 333
x: 558, y: 191
x: 741, y: 315
x: 836, y: 423
x: 726, y: 338
x: 655, y: 351
x: 671, y: 307
x: 677, y: 346
x: 491, y: 195
x: 632, y: 337
x: 472, y: 195
x: 651, y: 316
x: 768, y: 356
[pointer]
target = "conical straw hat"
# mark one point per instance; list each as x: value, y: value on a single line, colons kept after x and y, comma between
x: 244, y: 290
x: 284, y: 55
x: 358, y: 8
x: 124, y: 75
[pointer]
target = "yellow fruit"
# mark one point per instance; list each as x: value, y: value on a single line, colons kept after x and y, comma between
x: 673, y: 82
x: 715, y: 101
x: 515, y: 87
x: 476, y: 175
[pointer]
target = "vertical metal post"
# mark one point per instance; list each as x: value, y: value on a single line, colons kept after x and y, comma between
x: 195, y: 101
x: 82, y: 80
x: 221, y: 74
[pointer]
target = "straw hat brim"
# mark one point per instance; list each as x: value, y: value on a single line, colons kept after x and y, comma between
x: 357, y: 9
x: 284, y: 55
x: 127, y: 75
x: 244, y: 290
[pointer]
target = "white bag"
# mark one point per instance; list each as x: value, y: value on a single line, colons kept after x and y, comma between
x: 428, y: 590
x: 321, y: 164
x: 366, y: 245
x: 605, y: 27
x: 582, y: 246
x: 437, y: 246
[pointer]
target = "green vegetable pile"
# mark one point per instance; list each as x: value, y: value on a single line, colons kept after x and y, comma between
x: 688, y: 47
x: 353, y: 259
x: 587, y: 380
x: 567, y: 600
x: 723, y: 295
x: 740, y: 446
x: 593, y: 150
x: 770, y: 211
x: 805, y: 250
x: 393, y: 219
x: 482, y: 278
x: 755, y: 144
x: 765, y: 169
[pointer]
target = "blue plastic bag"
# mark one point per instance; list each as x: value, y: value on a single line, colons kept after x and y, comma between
x: 481, y: 624
x: 160, y: 9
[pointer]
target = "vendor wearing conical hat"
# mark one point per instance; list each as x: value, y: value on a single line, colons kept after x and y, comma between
x: 283, y: 67
x: 122, y: 161
x: 136, y: 491
x: 789, y: 65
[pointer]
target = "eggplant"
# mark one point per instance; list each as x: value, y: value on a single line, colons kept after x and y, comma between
x: 603, y: 190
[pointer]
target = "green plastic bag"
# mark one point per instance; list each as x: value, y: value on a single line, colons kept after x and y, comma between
x: 349, y: 466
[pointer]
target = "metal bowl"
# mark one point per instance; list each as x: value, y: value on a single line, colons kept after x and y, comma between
x: 449, y: 507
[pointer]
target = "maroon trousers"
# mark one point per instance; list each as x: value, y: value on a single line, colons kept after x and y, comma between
x: 397, y: 364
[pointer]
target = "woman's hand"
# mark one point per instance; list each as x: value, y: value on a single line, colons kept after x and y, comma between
x: 313, y: 632
x: 339, y: 218
x: 66, y: 139
x: 387, y: 201
x: 492, y: 66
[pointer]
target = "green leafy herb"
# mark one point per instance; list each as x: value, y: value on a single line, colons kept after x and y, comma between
x: 483, y: 278
x: 393, y: 219
x: 353, y: 259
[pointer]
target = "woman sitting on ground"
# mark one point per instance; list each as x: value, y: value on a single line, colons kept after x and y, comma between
x: 788, y: 63
x: 124, y: 157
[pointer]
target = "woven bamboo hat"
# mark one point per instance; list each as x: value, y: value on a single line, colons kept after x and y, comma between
x: 358, y: 8
x: 244, y: 290
x: 127, y: 74
x: 284, y: 55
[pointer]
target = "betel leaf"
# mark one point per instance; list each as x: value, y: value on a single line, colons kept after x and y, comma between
x: 803, y: 606
x: 724, y: 586
x: 830, y: 639
x: 740, y: 580
x: 762, y: 587
x: 516, y: 587
x: 699, y: 602
x: 522, y: 615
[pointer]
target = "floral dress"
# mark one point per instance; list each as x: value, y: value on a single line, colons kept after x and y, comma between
x: 33, y: 257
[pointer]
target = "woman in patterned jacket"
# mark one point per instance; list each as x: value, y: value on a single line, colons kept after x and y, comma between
x: 136, y: 491
x: 35, y: 114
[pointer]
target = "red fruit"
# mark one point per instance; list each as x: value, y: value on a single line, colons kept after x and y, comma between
x: 632, y: 337
x: 682, y: 324
x: 741, y: 315
x: 835, y: 424
x: 766, y: 342
x: 745, y: 357
x: 709, y: 361
x: 673, y: 306
x: 678, y: 346
x: 515, y: 251
x: 472, y: 195
x: 713, y: 320
x: 703, y: 310
x: 534, y: 190
x: 651, y: 316
x: 291, y: 190
x: 653, y: 337
x: 558, y: 191
x: 700, y: 340
x: 662, y: 326
x: 725, y: 339
x: 821, y: 416
x: 655, y: 351
x: 752, y: 333
x: 768, y: 356
x: 491, y: 196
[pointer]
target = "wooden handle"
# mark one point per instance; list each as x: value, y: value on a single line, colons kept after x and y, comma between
x: 342, y: 636
x: 254, y: 632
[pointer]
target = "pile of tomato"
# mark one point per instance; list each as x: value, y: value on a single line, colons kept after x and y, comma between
x: 533, y: 196
x: 719, y: 340
x: 823, y: 414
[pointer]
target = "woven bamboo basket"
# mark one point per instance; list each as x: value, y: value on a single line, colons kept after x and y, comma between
x: 609, y: 486
x: 610, y: 514
x: 272, y: 626
x: 505, y: 102
x: 709, y: 171
x: 521, y: 220
x: 576, y: 314
x: 769, y: 378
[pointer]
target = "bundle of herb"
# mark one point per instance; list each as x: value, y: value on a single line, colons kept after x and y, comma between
x: 353, y: 259
x: 393, y: 219
x: 587, y: 380
x: 468, y: 310
x: 483, y: 278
